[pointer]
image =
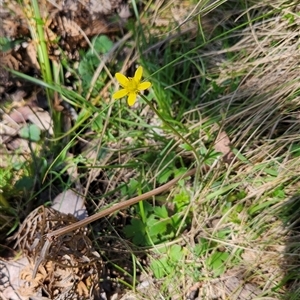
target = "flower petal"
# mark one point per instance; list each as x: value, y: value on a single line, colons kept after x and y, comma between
x: 131, y: 99
x: 138, y: 74
x: 123, y: 80
x: 120, y: 94
x: 144, y: 86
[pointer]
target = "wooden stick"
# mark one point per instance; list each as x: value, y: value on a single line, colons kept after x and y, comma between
x: 56, y: 233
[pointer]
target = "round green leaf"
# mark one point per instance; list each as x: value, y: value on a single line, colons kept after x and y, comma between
x: 30, y: 132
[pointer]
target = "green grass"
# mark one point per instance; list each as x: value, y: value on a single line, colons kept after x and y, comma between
x: 210, y: 75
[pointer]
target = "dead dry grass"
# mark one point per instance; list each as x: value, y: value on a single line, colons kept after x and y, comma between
x: 261, y: 118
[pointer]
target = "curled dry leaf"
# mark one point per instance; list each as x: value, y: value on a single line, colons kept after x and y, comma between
x: 42, y: 120
x: 32, y: 54
x: 82, y: 289
x: 35, y: 115
x: 6, y: 132
x: 19, y: 115
x: 11, y: 283
x: 70, y: 27
x: 222, y: 145
x: 8, y: 60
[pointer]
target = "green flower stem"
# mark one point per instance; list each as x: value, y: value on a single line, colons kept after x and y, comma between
x: 142, y: 211
x: 134, y: 272
x: 173, y: 129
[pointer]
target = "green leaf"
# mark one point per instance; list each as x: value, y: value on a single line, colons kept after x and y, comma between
x: 164, y: 176
x: 97, y: 123
x: 201, y: 248
x: 160, y: 267
x: 272, y: 172
x: 295, y: 150
x: 148, y: 209
x: 157, y: 229
x: 90, y: 61
x: 25, y: 183
x: 279, y: 192
x: 136, y: 231
x: 222, y: 190
x: 217, y: 262
x: 223, y: 233
x: 6, y: 44
x: 186, y: 147
x: 30, y: 132
x: 161, y: 211
x: 102, y: 44
x: 181, y: 200
x: 258, y: 207
x: 165, y: 265
x: 130, y: 188
x: 176, y: 253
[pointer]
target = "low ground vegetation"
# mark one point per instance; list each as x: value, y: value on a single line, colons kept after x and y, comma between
x: 211, y: 86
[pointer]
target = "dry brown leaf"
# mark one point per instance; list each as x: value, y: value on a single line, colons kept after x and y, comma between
x: 35, y: 115
x: 19, y: 115
x: 51, y: 36
x: 250, y: 257
x: 41, y: 119
x: 222, y: 145
x: 9, y: 61
x: 18, y: 98
x: 57, y: 104
x: 103, y: 6
x: 70, y: 27
x: 99, y: 26
x: 10, y: 27
x: 32, y: 54
x: 82, y: 289
x: 21, y: 145
x: 193, y: 291
x: 6, y: 131
x: 13, y: 287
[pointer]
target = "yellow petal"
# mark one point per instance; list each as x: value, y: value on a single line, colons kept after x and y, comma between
x: 120, y: 94
x: 123, y: 80
x: 138, y: 74
x: 131, y: 99
x: 144, y: 86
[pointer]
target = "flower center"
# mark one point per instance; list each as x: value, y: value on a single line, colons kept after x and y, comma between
x: 132, y: 85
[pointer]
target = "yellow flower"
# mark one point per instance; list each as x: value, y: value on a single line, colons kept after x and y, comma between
x: 131, y: 86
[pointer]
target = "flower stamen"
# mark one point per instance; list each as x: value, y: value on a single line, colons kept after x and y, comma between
x: 131, y: 86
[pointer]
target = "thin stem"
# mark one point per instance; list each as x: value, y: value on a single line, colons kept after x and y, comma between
x: 173, y: 129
